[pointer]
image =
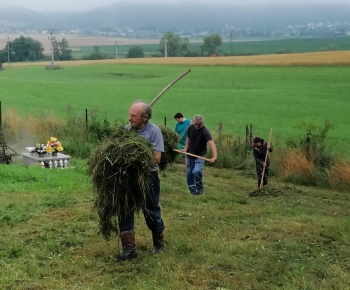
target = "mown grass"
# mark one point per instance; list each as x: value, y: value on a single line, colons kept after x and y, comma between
x: 265, y: 96
x: 297, y: 238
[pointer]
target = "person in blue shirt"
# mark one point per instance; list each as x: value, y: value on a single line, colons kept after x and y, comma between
x: 181, y: 128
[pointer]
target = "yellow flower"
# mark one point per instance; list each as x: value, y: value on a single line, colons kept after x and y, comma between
x: 53, y: 139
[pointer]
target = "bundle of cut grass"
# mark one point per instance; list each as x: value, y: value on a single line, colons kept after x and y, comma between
x: 120, y: 170
x: 171, y: 140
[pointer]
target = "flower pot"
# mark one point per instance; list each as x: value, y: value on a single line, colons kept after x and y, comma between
x: 54, y: 153
x: 41, y: 154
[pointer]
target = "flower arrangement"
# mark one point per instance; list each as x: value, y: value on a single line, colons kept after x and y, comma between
x: 39, y: 148
x: 53, y: 145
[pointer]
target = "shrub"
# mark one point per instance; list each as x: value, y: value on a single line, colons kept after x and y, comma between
x: 135, y: 52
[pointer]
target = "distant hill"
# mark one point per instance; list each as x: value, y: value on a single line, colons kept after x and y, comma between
x: 187, y: 16
x: 19, y: 16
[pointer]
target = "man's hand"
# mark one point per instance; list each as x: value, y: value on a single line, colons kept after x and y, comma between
x: 212, y: 160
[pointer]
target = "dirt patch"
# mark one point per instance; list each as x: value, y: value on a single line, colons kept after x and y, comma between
x: 135, y: 76
x: 59, y: 214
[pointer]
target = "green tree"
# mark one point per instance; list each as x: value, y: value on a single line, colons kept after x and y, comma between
x: 211, y: 43
x: 135, y: 52
x: 97, y: 54
x: 61, y: 50
x: 176, y: 46
x: 26, y: 49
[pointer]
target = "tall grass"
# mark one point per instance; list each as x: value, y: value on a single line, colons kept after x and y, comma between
x: 339, y: 174
x: 298, y: 164
x: 77, y: 135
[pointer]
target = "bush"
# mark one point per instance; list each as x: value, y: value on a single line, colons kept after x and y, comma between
x: 232, y: 153
x: 135, y: 52
x: 314, y: 145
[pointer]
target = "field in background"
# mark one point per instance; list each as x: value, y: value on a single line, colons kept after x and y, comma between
x: 278, y: 97
x: 238, y: 47
x: 83, y: 45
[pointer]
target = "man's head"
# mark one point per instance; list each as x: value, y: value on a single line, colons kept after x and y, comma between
x: 198, y: 121
x: 178, y: 117
x: 258, y: 141
x: 139, y: 114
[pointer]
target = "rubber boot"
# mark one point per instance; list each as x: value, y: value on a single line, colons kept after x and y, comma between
x: 128, y: 243
x: 158, y: 243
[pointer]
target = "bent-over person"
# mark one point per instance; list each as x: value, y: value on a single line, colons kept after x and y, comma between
x: 260, y: 148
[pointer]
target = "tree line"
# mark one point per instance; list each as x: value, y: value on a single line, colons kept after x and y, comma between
x: 28, y: 49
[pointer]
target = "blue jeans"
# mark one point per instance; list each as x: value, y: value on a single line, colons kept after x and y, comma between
x: 194, y: 175
x: 151, y: 211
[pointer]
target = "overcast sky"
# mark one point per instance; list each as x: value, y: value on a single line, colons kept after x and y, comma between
x: 76, y: 5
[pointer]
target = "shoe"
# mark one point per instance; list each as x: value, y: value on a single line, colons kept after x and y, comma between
x: 158, y: 250
x: 128, y: 253
x: 158, y: 243
x: 199, y: 192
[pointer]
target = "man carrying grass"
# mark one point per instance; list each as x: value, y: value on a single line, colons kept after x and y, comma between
x: 139, y: 115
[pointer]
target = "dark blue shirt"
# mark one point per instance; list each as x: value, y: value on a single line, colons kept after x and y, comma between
x: 198, y: 139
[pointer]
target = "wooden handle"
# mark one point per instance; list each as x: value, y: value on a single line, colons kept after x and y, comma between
x: 190, y: 154
x: 168, y: 87
x: 267, y: 153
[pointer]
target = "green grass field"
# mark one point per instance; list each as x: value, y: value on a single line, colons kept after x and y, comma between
x: 295, y: 238
x: 284, y: 237
x: 277, y: 97
x: 239, y: 46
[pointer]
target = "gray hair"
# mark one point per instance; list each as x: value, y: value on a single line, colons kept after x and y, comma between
x: 199, y: 118
x: 146, y: 111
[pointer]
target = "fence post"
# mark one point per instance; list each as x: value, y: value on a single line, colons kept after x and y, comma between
x: 86, y: 123
x: 251, y: 135
x: 307, y: 147
x: 246, y: 137
x: 220, y: 130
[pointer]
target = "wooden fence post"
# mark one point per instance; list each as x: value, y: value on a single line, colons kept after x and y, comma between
x: 86, y: 120
x: 220, y: 130
x: 251, y: 135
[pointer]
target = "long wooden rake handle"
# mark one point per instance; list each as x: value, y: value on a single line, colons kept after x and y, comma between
x: 267, y: 153
x: 168, y: 87
x: 190, y: 154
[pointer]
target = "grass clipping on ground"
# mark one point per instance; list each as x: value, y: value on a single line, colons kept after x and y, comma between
x: 120, y: 169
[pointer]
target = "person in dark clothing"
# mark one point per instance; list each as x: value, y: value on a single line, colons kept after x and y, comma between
x: 196, y: 143
x: 260, y: 148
